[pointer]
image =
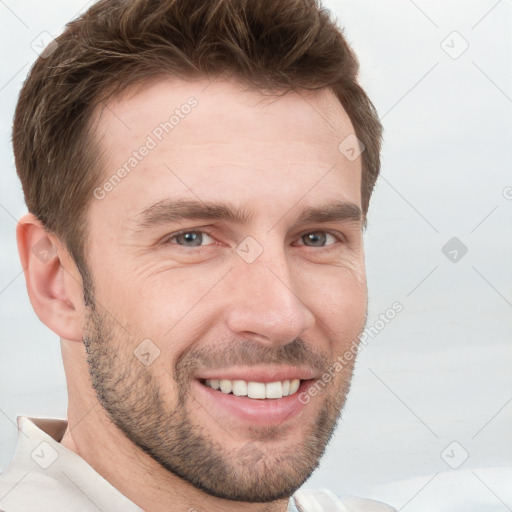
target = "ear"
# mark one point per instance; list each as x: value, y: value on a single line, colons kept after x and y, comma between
x: 54, y: 283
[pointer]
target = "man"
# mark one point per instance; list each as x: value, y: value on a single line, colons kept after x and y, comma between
x: 197, y: 176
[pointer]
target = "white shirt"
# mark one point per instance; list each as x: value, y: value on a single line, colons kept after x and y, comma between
x: 45, y: 476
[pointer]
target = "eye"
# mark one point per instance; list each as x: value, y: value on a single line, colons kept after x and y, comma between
x: 318, y: 239
x: 191, y: 239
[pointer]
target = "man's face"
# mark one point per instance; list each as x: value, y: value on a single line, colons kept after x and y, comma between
x: 231, y: 250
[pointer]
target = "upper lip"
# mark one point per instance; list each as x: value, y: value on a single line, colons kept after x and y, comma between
x: 259, y: 374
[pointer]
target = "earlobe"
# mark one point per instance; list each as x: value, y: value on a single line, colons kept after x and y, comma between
x: 53, y: 281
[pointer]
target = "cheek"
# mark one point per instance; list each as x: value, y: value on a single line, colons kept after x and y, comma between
x: 172, y: 307
x: 339, y: 301
x: 144, y: 295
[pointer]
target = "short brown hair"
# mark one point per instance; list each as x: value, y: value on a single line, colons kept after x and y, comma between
x: 271, y: 45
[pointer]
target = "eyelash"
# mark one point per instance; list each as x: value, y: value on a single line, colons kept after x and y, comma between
x: 339, y: 237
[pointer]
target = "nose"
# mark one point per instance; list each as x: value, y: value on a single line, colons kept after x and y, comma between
x: 265, y: 304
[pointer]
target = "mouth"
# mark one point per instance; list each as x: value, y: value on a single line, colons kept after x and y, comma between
x: 263, y: 398
x: 255, y: 390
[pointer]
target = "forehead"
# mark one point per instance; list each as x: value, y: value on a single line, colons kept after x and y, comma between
x: 226, y: 104
x: 210, y: 139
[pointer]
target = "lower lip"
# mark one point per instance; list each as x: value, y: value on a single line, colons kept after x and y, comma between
x: 254, y: 411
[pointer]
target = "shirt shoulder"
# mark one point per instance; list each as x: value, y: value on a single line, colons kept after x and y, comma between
x: 24, y: 491
x: 44, y: 476
x: 326, y: 501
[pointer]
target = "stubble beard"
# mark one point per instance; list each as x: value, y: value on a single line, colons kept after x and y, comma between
x: 132, y: 396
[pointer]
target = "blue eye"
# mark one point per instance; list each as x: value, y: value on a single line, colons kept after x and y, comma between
x: 191, y: 239
x: 317, y: 239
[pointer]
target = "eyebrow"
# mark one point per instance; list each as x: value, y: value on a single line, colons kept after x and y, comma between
x: 167, y: 211
x: 338, y: 211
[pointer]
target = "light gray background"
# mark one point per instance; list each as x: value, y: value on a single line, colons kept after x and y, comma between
x: 440, y: 371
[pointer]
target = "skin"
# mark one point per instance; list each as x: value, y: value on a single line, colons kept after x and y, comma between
x: 296, y: 307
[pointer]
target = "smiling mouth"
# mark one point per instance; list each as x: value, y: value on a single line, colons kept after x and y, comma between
x: 255, y: 390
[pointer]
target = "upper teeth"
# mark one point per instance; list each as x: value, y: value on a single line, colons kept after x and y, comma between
x: 255, y: 389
